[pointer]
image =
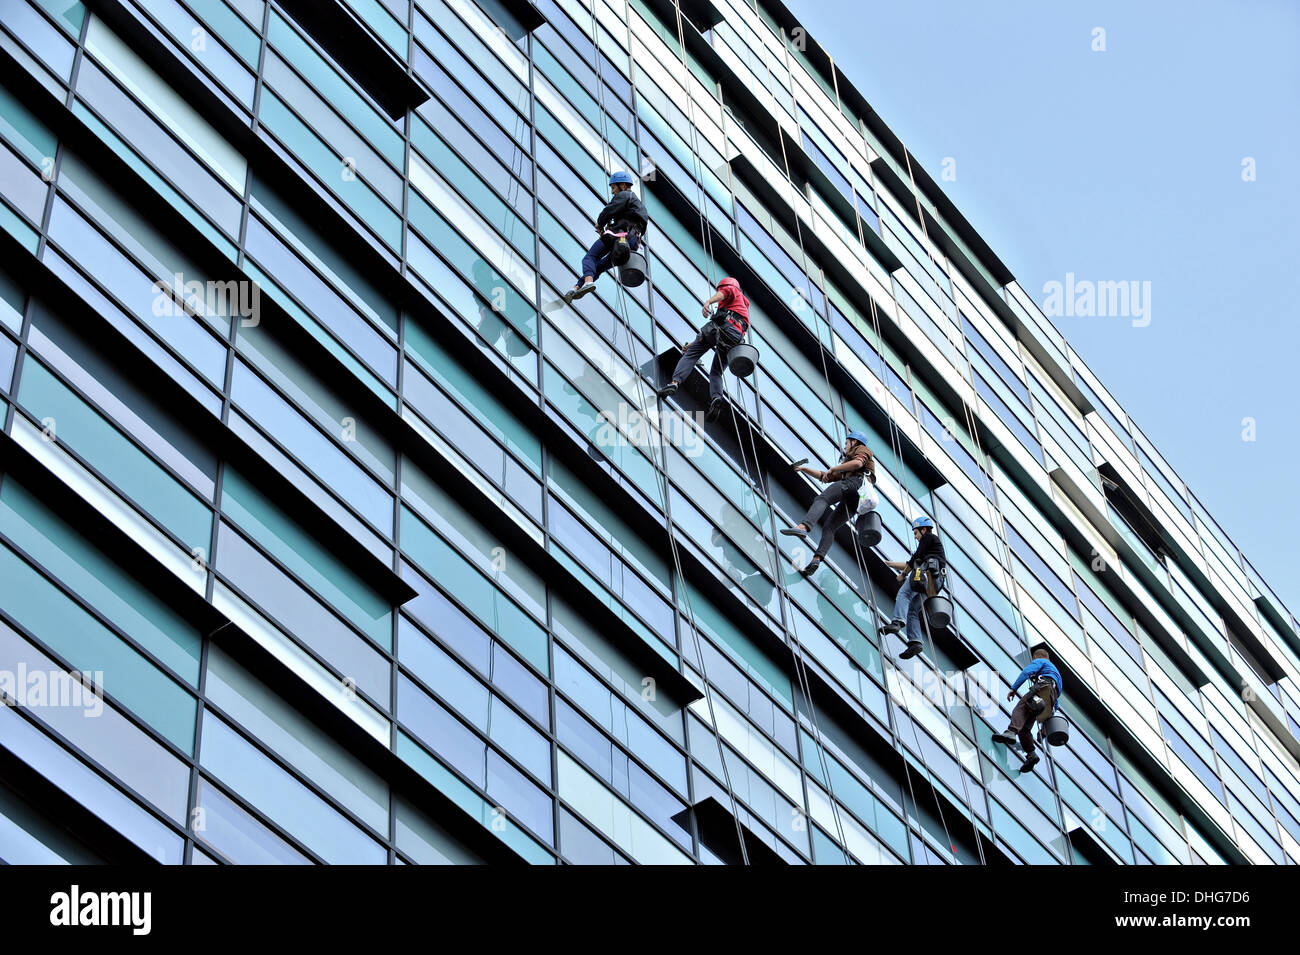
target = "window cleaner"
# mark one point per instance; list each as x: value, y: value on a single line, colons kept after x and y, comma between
x: 927, y: 558
x: 1036, y: 706
x: 841, y: 499
x: 621, y: 225
x: 726, y: 328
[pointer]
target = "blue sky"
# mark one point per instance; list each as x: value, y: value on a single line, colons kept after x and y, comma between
x: 1127, y: 165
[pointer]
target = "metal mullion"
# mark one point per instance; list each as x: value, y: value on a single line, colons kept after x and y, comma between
x: 194, y: 205
x: 130, y: 315
x: 460, y: 235
x: 113, y: 423
x: 94, y: 472
x: 275, y: 828
x: 512, y: 243
x: 298, y: 775
x: 267, y: 137
x: 165, y: 38
x: 330, y: 490
x: 426, y: 745
x: 280, y: 392
x: 292, y: 635
x: 306, y: 36
x: 425, y: 418
x: 293, y: 577
x: 427, y: 574
x: 90, y: 610
x: 105, y: 774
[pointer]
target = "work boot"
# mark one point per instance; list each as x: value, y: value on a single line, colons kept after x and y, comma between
x: 1006, y: 738
x: 796, y: 531
x: 668, y: 390
x: 913, y: 649
x: 715, y: 409
x: 894, y: 626
x: 1030, y: 762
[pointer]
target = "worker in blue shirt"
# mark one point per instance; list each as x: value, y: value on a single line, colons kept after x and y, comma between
x: 1035, y: 706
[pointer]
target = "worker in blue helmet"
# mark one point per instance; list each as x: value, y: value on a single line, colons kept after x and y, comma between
x: 1036, y: 706
x: 621, y: 225
x: 839, y: 500
x: 911, y: 596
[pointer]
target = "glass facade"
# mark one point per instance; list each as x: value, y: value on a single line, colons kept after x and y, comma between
x: 326, y: 536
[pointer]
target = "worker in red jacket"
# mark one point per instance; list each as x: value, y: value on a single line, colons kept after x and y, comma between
x: 725, y: 329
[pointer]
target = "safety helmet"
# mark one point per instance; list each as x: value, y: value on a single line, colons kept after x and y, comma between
x: 622, y: 176
x: 728, y: 281
x: 858, y: 436
x: 922, y: 522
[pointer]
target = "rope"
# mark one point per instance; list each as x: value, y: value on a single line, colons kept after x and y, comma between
x: 663, y: 476
x: 904, y: 496
x: 796, y: 647
x: 991, y: 499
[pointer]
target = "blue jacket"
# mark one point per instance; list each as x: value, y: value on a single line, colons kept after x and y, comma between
x: 1036, y: 667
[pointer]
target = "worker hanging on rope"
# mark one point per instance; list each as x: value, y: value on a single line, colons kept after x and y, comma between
x: 1036, y: 706
x: 621, y: 225
x: 928, y: 558
x: 835, y: 505
x: 726, y: 328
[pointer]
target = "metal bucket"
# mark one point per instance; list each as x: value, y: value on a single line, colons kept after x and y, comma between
x: 938, y: 609
x: 632, y: 272
x: 1056, y: 730
x: 742, y: 360
x: 870, y: 528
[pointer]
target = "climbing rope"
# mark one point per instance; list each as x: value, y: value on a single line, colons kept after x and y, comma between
x: 905, y: 498
x: 795, y: 645
x: 680, y: 577
x: 981, y: 457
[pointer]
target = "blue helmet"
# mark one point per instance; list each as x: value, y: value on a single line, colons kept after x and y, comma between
x: 923, y: 522
x: 858, y: 436
x: 622, y: 176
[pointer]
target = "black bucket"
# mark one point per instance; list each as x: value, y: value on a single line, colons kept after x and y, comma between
x: 632, y: 272
x: 938, y: 609
x: 1056, y: 730
x: 870, y: 528
x: 742, y: 360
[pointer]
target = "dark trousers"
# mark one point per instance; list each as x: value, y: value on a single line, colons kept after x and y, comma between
x: 840, y: 499
x: 1023, y: 719
x: 598, y: 259
x: 721, y: 338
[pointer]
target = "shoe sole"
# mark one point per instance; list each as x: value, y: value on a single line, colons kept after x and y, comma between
x: 791, y: 532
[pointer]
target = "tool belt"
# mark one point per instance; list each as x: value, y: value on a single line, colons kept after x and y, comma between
x: 1041, y: 698
x: 725, y: 316
x: 929, y: 575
